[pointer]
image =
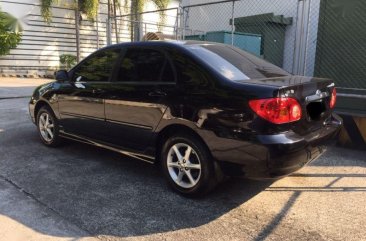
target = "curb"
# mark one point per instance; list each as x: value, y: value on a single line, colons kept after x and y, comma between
x: 30, y: 76
x: 14, y: 97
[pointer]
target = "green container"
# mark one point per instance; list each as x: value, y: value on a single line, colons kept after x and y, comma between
x: 245, y: 41
x: 199, y: 37
x: 272, y: 28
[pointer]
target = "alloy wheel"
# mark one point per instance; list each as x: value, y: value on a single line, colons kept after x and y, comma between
x: 184, y: 165
x: 46, y: 127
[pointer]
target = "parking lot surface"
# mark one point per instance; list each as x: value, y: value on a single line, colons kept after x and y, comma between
x: 83, y: 192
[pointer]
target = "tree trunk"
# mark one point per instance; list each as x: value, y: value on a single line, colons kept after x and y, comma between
x: 132, y: 18
x: 109, y: 32
x: 97, y: 27
x: 77, y: 32
x: 136, y: 23
x: 115, y: 20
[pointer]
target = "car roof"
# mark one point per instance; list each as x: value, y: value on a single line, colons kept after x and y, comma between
x: 181, y: 43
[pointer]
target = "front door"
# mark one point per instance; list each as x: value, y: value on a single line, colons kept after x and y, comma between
x: 81, y: 105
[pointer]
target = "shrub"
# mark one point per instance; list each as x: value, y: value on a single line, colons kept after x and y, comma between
x: 67, y: 61
x: 10, y: 33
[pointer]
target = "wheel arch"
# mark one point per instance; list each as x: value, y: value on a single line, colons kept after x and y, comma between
x: 39, y: 105
x: 171, y: 130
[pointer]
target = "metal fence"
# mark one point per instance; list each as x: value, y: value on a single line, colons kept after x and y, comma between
x: 324, y: 38
x: 134, y: 27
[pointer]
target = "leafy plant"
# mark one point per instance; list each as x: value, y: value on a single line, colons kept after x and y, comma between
x: 46, y: 10
x: 10, y: 33
x: 89, y: 7
x: 67, y: 61
x: 137, y: 6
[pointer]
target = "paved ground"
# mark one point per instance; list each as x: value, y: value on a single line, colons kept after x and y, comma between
x: 81, y: 192
x: 18, y: 87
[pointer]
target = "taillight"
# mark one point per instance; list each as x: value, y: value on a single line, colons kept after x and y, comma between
x: 333, y: 98
x: 277, y: 110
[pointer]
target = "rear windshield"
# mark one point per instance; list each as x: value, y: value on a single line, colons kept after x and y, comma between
x: 236, y: 64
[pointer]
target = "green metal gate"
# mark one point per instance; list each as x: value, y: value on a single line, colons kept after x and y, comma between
x: 341, y: 51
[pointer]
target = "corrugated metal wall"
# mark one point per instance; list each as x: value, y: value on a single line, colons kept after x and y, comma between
x: 42, y: 44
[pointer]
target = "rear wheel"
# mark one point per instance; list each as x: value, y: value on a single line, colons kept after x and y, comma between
x: 48, y: 128
x: 188, y: 166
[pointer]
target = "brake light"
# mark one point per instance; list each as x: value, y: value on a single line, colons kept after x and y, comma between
x: 277, y: 110
x: 333, y: 98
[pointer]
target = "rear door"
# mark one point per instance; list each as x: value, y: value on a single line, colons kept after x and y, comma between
x: 80, y: 100
x: 135, y: 103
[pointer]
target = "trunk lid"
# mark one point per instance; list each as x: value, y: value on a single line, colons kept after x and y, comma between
x: 313, y: 94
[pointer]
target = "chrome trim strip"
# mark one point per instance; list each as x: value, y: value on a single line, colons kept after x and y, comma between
x: 129, y: 124
x: 82, y: 116
x: 108, y: 120
x: 94, y: 143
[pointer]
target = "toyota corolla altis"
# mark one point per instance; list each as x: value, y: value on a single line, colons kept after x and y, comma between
x: 201, y: 110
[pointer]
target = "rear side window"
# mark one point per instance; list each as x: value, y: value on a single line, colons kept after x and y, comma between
x: 190, y: 74
x: 98, y: 67
x: 145, y: 65
x: 218, y: 63
x: 250, y: 65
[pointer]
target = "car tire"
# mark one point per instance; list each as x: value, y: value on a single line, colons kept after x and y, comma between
x: 48, y: 127
x: 188, y: 165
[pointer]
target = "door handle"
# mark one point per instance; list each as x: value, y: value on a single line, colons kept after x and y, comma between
x: 157, y: 93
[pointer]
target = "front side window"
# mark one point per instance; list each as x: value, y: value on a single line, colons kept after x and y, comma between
x: 145, y: 65
x: 97, y: 68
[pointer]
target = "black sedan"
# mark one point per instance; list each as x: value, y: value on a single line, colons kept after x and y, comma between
x: 201, y: 110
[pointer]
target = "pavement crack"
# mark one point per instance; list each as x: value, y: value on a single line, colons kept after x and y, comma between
x: 33, y: 197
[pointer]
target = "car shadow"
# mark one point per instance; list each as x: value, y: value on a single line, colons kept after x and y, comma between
x: 105, y: 193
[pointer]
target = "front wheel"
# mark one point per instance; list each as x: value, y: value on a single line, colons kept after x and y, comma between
x: 188, y: 166
x: 48, y: 128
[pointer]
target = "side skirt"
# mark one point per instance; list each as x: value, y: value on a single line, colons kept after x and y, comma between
x: 142, y: 157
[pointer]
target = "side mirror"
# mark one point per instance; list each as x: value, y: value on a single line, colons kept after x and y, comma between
x: 62, y: 76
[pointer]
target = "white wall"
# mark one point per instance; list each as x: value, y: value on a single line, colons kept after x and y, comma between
x: 151, y: 20
x: 42, y: 44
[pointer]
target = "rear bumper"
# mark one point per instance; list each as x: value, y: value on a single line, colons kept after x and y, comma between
x: 273, y: 156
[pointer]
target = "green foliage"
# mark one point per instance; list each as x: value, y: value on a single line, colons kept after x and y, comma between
x: 89, y: 7
x: 161, y: 4
x: 46, y: 10
x: 137, y: 6
x: 10, y: 34
x: 68, y: 61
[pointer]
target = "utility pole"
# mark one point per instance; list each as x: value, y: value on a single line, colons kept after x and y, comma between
x: 109, y: 30
x: 77, y: 29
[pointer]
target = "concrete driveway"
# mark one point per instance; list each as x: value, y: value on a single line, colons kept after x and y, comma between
x: 82, y: 192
